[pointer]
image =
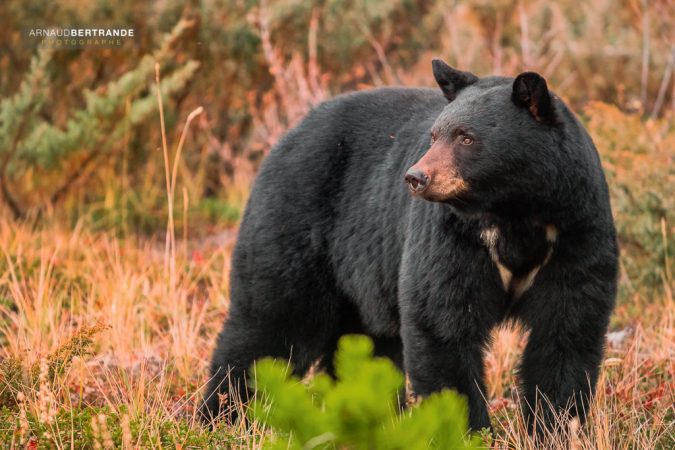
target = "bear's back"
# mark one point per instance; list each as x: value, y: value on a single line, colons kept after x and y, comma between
x: 342, y: 147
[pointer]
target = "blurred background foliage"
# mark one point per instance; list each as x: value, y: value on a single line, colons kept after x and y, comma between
x: 79, y: 129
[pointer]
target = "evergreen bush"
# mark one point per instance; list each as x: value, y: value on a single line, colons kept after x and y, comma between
x: 358, y: 410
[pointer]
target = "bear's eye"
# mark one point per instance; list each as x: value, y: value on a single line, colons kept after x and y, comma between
x: 466, y: 140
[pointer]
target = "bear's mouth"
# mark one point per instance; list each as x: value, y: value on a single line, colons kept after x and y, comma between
x: 452, y: 186
x: 445, y: 190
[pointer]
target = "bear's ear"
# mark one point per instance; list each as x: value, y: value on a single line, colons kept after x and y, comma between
x: 451, y: 80
x: 530, y: 91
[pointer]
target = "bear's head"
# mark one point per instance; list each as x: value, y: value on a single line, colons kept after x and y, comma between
x: 495, y: 146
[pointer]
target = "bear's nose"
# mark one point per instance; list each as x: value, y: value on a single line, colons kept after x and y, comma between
x: 416, y: 179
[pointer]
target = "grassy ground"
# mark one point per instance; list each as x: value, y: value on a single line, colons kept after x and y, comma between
x: 140, y: 338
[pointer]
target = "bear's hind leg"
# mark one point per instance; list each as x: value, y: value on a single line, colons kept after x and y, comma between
x: 246, y: 338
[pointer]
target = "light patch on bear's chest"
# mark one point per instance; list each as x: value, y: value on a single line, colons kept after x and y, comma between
x: 516, y: 285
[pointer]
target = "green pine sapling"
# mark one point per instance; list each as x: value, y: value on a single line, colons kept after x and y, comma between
x: 358, y: 410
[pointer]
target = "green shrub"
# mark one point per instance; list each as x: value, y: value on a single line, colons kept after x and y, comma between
x: 637, y: 157
x: 359, y: 410
x: 40, y: 159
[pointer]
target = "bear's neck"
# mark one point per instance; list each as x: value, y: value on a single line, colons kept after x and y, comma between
x: 566, y: 211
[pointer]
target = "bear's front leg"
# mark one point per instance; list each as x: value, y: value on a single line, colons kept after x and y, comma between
x: 446, y: 318
x: 456, y: 362
x: 567, y: 314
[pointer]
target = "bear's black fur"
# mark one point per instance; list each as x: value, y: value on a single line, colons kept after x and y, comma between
x: 509, y: 218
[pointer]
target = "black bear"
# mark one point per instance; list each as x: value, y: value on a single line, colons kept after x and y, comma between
x: 424, y: 218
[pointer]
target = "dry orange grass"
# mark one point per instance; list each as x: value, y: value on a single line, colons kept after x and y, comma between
x: 157, y: 338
